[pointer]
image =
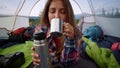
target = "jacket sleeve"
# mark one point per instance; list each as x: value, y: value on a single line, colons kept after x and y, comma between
x: 70, y: 53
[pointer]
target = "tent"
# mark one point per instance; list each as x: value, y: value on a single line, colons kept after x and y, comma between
x: 95, y: 12
x: 15, y: 14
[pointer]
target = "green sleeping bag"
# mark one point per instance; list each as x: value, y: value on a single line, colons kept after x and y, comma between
x: 103, y: 57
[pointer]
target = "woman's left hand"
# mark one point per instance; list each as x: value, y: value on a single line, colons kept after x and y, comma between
x: 68, y: 30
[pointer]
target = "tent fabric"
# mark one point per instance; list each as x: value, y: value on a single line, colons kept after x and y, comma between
x: 15, y: 13
x: 102, y: 13
x: 4, y: 33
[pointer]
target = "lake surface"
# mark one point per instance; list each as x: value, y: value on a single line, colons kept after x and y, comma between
x: 110, y: 26
x: 8, y: 22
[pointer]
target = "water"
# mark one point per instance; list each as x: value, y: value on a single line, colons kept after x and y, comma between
x: 8, y: 22
x: 110, y: 26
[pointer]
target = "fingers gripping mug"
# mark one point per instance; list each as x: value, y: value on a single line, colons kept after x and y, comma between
x: 56, y: 27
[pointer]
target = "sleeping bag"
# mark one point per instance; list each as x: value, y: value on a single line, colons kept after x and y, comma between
x: 103, y: 57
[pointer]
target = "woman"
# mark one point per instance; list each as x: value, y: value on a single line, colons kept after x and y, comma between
x: 67, y: 50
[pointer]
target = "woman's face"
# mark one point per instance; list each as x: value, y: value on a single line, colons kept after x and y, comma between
x: 57, y: 10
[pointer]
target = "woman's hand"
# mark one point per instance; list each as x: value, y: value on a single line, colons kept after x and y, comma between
x: 68, y: 30
x: 35, y: 57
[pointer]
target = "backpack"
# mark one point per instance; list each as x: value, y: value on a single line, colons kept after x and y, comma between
x: 12, y: 61
x: 94, y: 33
x: 17, y: 35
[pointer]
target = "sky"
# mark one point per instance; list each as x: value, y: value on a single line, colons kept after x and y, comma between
x: 10, y: 7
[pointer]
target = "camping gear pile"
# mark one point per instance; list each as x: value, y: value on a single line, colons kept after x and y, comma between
x: 105, y: 52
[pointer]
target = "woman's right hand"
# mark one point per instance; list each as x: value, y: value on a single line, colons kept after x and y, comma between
x: 35, y: 57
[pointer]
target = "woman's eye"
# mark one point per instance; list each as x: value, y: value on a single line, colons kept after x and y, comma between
x: 51, y: 10
x: 62, y: 11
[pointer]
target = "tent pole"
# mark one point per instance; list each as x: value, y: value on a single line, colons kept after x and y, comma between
x: 32, y: 8
x: 17, y: 14
x: 92, y: 9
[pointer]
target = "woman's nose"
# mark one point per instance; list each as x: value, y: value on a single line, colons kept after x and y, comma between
x: 57, y: 15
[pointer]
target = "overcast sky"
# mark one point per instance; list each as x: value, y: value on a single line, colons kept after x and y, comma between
x: 10, y: 6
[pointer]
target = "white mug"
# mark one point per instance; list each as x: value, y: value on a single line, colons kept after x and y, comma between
x: 56, y: 27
